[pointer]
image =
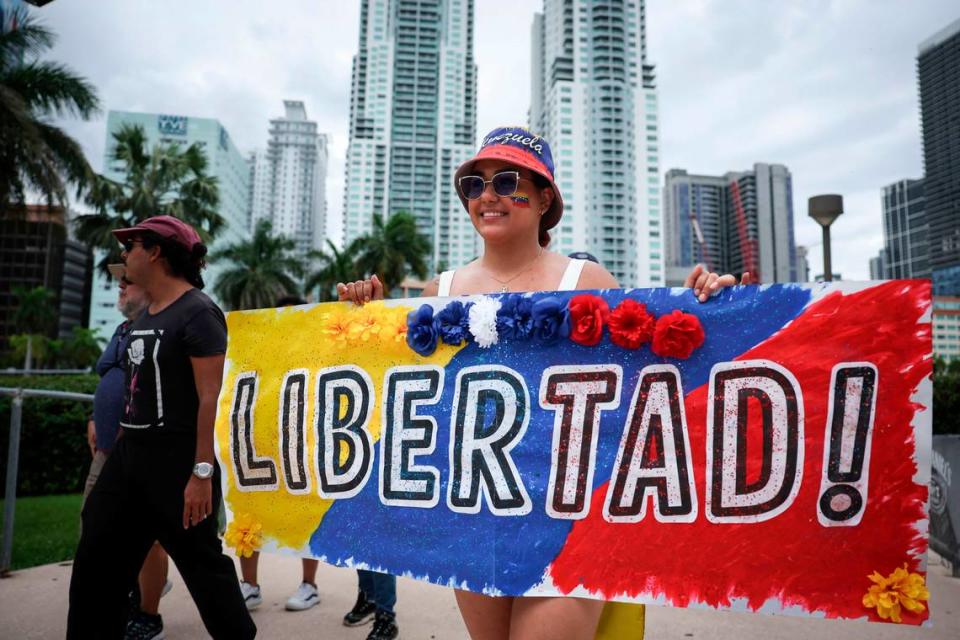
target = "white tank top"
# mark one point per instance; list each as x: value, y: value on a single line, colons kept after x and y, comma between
x: 571, y: 276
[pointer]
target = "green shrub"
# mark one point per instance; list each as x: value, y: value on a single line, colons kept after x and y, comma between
x: 54, y: 456
x: 946, y: 396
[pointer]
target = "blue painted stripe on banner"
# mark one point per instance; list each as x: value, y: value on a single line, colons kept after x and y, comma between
x: 481, y: 549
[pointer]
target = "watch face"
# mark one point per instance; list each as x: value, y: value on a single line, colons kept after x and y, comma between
x: 203, y: 469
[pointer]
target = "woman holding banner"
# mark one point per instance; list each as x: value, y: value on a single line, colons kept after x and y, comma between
x: 508, y: 189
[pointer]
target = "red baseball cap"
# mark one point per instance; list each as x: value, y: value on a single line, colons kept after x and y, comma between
x: 164, y: 226
x: 522, y: 148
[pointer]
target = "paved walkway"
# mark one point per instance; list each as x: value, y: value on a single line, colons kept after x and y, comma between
x: 33, y: 604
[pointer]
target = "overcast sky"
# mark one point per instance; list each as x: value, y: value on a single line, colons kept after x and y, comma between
x: 827, y: 88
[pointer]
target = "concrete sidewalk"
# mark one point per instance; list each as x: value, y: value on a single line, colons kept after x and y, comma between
x: 33, y: 604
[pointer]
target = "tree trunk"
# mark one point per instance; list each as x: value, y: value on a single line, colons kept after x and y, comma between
x: 28, y: 357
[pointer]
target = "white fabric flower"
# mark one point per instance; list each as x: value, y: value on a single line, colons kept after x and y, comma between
x: 483, y: 322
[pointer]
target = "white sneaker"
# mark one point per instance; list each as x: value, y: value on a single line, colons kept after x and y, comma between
x: 305, y: 597
x: 251, y: 595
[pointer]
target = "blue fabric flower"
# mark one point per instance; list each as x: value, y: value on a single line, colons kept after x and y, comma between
x: 422, y: 331
x: 515, y: 319
x: 551, y: 320
x: 453, y: 323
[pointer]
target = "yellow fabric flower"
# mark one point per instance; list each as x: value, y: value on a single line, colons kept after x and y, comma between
x: 393, y: 327
x: 900, y: 590
x: 244, y: 534
x: 366, y: 322
x: 337, y: 323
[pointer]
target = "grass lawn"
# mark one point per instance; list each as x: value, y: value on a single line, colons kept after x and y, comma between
x: 45, y: 530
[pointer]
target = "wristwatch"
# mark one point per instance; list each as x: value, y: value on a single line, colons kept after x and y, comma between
x: 203, y: 470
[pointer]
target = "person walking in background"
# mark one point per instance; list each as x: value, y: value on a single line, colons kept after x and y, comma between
x: 102, y: 432
x: 104, y: 426
x: 161, y: 482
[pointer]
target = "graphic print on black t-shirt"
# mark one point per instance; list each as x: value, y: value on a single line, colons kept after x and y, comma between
x: 161, y: 394
x: 144, y: 397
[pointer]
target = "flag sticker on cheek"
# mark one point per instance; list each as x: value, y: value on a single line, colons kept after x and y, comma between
x: 521, y: 200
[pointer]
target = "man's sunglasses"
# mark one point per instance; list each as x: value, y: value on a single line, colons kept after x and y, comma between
x: 128, y: 244
x: 504, y: 184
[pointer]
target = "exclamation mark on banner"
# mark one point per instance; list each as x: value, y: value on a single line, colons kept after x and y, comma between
x: 846, y: 452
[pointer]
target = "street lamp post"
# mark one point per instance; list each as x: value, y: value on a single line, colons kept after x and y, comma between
x: 825, y: 209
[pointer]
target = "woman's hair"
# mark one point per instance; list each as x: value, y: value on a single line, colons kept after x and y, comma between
x: 542, y: 183
x: 184, y: 263
x: 290, y: 301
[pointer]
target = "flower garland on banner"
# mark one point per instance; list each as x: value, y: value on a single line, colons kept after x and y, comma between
x: 547, y: 319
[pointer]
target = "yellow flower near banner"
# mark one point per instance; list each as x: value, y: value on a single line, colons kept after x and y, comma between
x: 393, y: 326
x: 901, y: 589
x: 365, y: 323
x: 337, y: 323
x: 244, y: 534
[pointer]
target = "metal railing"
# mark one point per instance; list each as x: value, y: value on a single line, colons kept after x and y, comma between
x: 13, y: 458
x: 43, y: 372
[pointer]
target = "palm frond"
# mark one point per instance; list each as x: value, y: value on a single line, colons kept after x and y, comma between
x: 50, y: 88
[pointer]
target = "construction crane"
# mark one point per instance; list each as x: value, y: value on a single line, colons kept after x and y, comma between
x: 704, y: 248
x: 748, y: 246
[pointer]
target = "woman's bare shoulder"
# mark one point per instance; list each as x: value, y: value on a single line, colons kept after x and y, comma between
x: 595, y: 276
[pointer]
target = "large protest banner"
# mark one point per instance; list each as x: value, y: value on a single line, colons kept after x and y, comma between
x: 766, y: 451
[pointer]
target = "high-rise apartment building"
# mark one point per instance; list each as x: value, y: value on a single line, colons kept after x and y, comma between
x: 877, y: 269
x: 741, y: 221
x: 224, y: 162
x: 288, y: 183
x: 905, y: 231
x: 413, y: 121
x: 803, y: 264
x: 938, y: 67
x: 260, y: 187
x: 946, y: 327
x: 594, y: 98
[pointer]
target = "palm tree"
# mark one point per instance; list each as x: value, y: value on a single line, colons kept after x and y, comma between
x: 335, y: 266
x: 34, y: 316
x: 36, y: 156
x: 263, y: 270
x: 393, y: 249
x: 164, y: 180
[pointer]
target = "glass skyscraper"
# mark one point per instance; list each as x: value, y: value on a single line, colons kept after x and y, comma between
x: 225, y: 163
x: 412, y: 121
x: 594, y: 98
x: 938, y: 67
x: 905, y: 231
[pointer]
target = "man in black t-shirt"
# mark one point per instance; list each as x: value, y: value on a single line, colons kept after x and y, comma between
x: 161, y: 482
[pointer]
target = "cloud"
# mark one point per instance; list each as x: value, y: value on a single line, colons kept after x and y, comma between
x: 826, y: 87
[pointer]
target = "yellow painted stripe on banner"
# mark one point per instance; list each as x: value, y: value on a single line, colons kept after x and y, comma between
x: 271, y: 342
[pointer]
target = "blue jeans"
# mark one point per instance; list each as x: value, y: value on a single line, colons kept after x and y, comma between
x: 380, y: 589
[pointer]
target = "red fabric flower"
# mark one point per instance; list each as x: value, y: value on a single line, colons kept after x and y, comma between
x: 677, y: 335
x: 588, y: 313
x: 631, y: 325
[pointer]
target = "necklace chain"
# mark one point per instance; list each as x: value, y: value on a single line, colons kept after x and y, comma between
x: 504, y: 283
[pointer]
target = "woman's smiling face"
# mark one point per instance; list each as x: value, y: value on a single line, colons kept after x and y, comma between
x: 499, y: 217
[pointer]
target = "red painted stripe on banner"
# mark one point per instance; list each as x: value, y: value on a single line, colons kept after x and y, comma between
x: 791, y: 557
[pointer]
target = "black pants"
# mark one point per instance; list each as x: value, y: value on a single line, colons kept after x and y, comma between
x: 139, y: 499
